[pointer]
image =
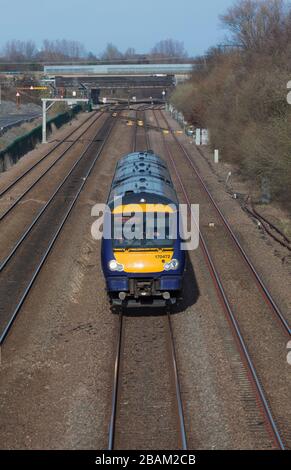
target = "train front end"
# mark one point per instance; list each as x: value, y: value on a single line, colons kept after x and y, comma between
x: 142, y: 260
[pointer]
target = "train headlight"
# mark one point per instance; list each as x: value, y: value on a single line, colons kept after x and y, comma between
x: 114, y: 266
x: 172, y: 265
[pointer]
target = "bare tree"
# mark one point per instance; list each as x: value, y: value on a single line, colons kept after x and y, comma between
x: 16, y: 50
x: 30, y: 49
x: 255, y: 24
x: 169, y: 48
x: 91, y: 56
x: 111, y: 53
x: 130, y: 53
x: 61, y: 49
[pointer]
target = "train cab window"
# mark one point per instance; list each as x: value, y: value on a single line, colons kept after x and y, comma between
x: 142, y: 231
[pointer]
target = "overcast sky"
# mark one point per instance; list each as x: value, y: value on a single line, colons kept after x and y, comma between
x: 126, y: 23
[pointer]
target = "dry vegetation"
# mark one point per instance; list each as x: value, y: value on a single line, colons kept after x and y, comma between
x: 239, y: 93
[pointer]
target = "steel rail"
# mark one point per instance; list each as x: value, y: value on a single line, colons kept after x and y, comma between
x: 262, y: 287
x: 134, y: 143
x: 52, y: 242
x: 43, y: 209
x: 114, y: 399
x: 173, y: 352
x: 19, y: 198
x: 13, y: 183
x: 273, y: 226
x: 146, y: 128
x: 112, y: 424
x: 116, y: 378
x: 265, y: 224
x: 140, y: 109
x: 134, y: 137
x: 177, y: 386
x: 242, y: 347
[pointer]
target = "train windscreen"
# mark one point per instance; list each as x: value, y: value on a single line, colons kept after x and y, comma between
x: 142, y: 231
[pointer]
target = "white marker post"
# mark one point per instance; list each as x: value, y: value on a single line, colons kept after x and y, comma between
x: 198, y: 137
x: 205, y: 138
x: 17, y: 99
x: 289, y: 94
x: 216, y: 156
x: 228, y: 178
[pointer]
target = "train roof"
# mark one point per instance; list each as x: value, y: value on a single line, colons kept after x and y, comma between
x: 142, y: 173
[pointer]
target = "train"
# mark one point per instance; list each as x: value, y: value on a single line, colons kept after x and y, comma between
x: 147, y: 268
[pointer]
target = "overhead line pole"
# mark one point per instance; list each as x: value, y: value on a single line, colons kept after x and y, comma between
x: 52, y: 101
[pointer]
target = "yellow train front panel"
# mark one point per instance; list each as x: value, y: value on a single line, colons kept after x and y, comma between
x: 143, y: 261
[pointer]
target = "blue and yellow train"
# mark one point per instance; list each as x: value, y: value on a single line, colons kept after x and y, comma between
x: 145, y: 269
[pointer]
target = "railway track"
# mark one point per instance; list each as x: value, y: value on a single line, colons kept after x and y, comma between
x: 26, y: 205
x: 143, y: 344
x: 263, y: 372
x: 259, y: 281
x: 176, y: 436
x: 120, y: 434
x: 272, y: 230
x: 21, y: 267
x: 140, y: 137
x: 40, y: 177
x: 8, y: 188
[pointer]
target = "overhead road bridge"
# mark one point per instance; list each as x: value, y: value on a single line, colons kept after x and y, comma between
x: 180, y: 71
x: 116, y: 82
